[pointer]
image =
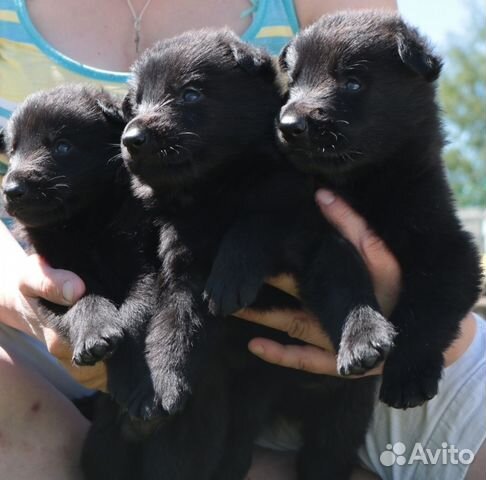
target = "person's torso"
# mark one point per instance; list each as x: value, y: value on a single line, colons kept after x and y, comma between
x: 28, y: 62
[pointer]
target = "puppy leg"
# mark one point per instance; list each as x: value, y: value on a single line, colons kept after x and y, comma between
x: 435, y: 297
x: 412, y: 371
x: 337, y: 288
x: 245, y: 257
x: 129, y: 379
x: 190, y: 445
x: 250, y: 406
x: 333, y: 435
x: 177, y: 345
x: 94, y: 326
x: 91, y: 326
x: 107, y: 454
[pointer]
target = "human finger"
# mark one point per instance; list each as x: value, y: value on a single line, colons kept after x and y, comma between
x: 382, y: 265
x: 38, y: 279
x: 296, y: 323
x: 300, y: 357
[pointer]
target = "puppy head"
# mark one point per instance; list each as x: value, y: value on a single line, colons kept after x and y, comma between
x: 62, y: 145
x: 358, y: 85
x: 197, y: 102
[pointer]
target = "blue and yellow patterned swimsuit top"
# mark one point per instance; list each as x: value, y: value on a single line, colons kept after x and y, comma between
x: 28, y: 63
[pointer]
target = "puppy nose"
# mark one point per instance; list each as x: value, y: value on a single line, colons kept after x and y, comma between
x: 14, y: 190
x: 134, y: 138
x: 292, y: 124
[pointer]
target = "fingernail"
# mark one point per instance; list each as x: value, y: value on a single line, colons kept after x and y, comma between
x: 68, y: 292
x: 257, y: 349
x: 325, y: 197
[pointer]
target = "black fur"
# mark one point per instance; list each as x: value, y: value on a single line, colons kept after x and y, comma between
x: 69, y: 191
x: 201, y: 148
x: 2, y: 140
x: 189, y: 153
x: 361, y: 117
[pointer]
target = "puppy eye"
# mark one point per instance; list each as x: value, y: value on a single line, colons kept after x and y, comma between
x: 352, y: 85
x: 191, y: 95
x: 62, y: 147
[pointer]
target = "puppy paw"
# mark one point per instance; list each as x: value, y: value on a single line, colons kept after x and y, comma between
x: 130, y: 381
x: 176, y: 348
x: 409, y: 384
x: 172, y: 391
x: 142, y: 402
x: 367, y: 338
x: 232, y: 285
x: 96, y: 343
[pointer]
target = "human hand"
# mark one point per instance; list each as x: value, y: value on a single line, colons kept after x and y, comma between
x: 319, y: 356
x: 25, y: 279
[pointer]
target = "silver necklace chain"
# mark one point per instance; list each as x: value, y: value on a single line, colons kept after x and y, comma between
x: 137, y: 22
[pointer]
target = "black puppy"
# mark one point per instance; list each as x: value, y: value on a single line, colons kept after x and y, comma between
x: 202, y: 150
x: 69, y: 191
x: 201, y: 137
x: 361, y: 118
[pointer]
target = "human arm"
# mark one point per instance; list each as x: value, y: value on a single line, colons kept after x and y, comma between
x: 23, y: 279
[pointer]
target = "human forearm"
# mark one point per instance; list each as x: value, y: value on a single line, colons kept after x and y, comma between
x: 11, y: 258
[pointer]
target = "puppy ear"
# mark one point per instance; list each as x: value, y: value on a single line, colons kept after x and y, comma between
x: 417, y: 55
x: 288, y: 58
x: 282, y: 59
x: 3, y: 145
x: 249, y: 58
x: 127, y: 107
x: 112, y: 112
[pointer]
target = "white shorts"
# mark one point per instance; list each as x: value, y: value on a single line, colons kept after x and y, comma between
x: 33, y: 354
x: 440, y: 438
x: 435, y: 441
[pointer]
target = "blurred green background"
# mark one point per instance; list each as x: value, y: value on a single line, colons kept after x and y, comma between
x: 457, y: 29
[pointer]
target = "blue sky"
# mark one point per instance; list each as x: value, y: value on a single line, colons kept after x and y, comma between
x: 437, y: 18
